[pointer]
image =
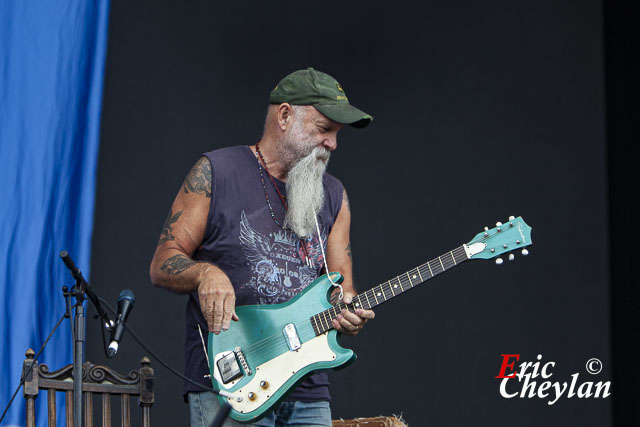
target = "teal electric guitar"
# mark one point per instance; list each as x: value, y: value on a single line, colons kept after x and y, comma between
x: 272, y: 348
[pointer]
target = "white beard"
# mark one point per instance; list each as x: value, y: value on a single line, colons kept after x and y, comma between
x: 305, y: 192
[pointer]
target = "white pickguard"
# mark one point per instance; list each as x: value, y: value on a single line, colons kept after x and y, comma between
x: 277, y: 371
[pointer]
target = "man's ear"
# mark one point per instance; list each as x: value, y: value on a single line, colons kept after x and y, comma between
x: 285, y: 111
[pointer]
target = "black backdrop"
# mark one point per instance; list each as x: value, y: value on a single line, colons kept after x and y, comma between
x: 482, y: 110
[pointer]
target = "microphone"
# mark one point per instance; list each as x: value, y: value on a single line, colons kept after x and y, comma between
x: 82, y: 286
x: 125, y: 305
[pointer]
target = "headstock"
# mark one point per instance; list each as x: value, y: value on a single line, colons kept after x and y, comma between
x: 513, y: 235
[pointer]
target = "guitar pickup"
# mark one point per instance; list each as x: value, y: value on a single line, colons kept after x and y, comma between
x: 228, y: 367
x: 291, y: 335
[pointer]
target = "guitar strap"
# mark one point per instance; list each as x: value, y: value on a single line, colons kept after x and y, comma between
x: 324, y: 258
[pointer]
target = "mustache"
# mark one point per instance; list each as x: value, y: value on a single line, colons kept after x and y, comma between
x: 322, y: 153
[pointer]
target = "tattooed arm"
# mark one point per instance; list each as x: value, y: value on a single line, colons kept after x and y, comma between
x: 339, y: 259
x: 172, y: 266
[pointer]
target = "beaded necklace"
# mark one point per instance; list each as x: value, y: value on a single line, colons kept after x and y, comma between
x: 283, y: 199
x: 306, y: 259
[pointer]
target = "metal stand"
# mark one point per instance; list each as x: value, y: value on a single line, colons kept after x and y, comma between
x: 79, y: 291
x: 78, y: 356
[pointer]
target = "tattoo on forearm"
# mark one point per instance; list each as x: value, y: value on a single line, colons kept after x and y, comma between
x: 348, y: 249
x: 346, y: 199
x: 198, y: 180
x: 167, y: 229
x: 177, y: 264
x: 334, y: 296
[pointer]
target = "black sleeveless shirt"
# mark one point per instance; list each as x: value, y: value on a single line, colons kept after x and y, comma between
x: 262, y: 260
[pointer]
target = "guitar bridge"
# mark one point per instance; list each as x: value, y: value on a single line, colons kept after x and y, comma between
x: 240, y: 356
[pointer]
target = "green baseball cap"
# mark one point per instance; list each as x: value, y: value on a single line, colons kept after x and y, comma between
x: 312, y: 87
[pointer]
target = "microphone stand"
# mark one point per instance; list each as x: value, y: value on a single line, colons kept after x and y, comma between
x: 78, y: 354
x: 79, y: 334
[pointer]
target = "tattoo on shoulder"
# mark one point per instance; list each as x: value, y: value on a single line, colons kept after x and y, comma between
x: 346, y: 199
x: 177, y: 264
x: 198, y: 180
x: 167, y: 229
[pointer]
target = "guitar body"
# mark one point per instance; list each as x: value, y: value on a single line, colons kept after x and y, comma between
x: 271, y: 349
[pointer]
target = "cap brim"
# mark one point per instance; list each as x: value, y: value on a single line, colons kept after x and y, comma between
x: 346, y: 114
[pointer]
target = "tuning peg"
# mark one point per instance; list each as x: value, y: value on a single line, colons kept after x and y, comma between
x: 486, y: 229
x: 525, y: 252
x: 498, y: 224
x: 512, y: 257
x: 499, y: 261
x: 511, y: 218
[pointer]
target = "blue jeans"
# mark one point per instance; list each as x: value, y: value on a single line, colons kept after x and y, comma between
x: 203, y: 407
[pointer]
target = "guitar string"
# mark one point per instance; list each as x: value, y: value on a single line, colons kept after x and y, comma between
x: 307, y: 325
x: 370, y: 293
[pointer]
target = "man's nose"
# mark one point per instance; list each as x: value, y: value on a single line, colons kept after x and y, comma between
x: 330, y: 143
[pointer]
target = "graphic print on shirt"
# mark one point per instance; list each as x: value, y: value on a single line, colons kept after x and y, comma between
x: 275, y: 260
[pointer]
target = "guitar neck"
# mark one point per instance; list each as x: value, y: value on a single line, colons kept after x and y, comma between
x: 377, y: 295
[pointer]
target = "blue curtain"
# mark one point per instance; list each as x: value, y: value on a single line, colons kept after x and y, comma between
x: 52, y: 55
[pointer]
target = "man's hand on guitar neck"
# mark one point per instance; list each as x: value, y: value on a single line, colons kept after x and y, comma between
x: 349, y: 323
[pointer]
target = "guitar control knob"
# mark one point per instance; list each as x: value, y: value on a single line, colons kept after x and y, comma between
x: 499, y: 261
x: 264, y: 384
x: 511, y: 218
x: 251, y: 396
x: 512, y: 257
x: 525, y: 252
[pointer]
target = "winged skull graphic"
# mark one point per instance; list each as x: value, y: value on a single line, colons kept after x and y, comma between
x: 275, y: 260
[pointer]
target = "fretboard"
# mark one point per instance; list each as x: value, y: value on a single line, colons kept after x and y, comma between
x: 321, y: 322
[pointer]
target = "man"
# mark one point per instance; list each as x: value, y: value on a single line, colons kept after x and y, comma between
x: 251, y: 225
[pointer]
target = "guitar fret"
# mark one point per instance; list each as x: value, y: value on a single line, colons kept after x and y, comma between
x: 315, y: 322
x: 317, y: 319
x: 368, y: 302
x: 410, y: 283
x: 442, y: 265
x: 374, y: 295
x: 390, y: 287
x: 453, y: 258
x: 421, y: 279
x: 359, y: 303
x: 326, y: 321
x: 429, y: 269
x: 399, y: 283
x: 414, y: 276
